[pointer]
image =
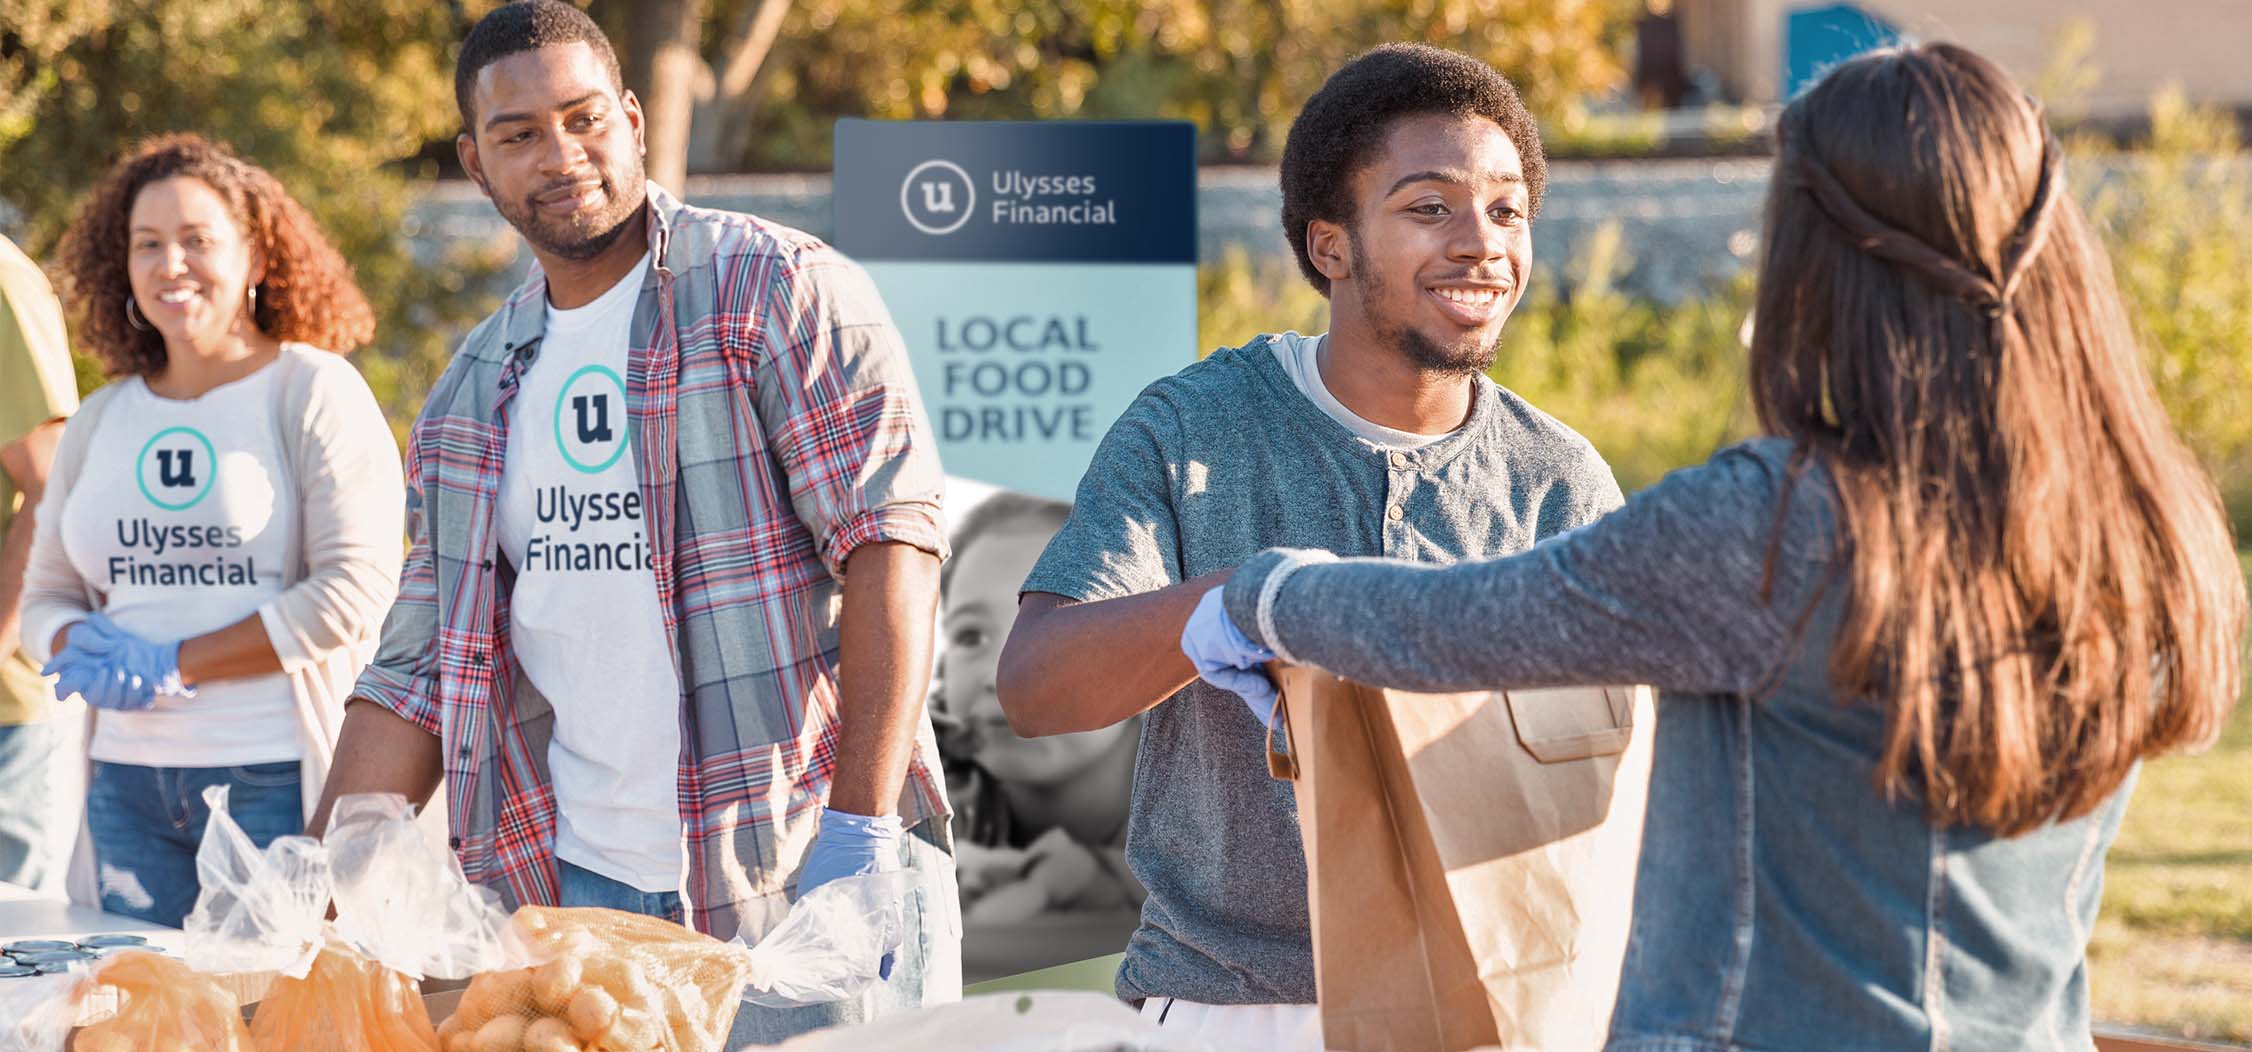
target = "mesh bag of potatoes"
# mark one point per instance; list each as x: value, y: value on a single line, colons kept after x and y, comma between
x: 620, y: 982
x: 614, y: 982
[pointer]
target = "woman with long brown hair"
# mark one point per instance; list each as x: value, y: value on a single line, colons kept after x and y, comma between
x: 222, y: 530
x: 1913, y: 643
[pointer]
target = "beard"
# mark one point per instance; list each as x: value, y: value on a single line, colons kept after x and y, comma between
x: 586, y: 234
x: 1468, y: 355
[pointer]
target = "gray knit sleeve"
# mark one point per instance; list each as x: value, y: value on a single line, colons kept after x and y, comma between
x: 1668, y: 591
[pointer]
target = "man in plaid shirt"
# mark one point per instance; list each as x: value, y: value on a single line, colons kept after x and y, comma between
x: 665, y: 628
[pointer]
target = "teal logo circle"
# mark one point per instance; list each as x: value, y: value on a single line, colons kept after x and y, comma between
x: 183, y: 464
x: 590, y: 419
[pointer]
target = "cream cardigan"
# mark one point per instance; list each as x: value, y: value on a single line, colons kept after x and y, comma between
x: 343, y: 572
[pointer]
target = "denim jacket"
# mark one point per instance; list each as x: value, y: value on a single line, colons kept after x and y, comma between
x: 1783, y: 903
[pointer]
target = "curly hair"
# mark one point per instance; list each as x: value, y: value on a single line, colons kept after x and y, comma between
x: 307, y: 294
x: 1346, y: 121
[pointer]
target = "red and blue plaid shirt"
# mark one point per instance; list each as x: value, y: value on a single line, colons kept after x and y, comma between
x: 776, y: 429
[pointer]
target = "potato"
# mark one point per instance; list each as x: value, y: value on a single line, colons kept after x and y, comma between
x: 504, y: 1033
x: 636, y: 1031
x: 622, y: 977
x: 494, y: 994
x: 553, y: 984
x: 549, y: 1034
x: 592, y: 1012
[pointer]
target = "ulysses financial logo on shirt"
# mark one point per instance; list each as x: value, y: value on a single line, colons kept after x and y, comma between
x: 592, y: 522
x: 176, y: 470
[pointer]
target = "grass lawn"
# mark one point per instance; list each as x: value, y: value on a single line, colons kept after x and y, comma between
x: 2173, y: 950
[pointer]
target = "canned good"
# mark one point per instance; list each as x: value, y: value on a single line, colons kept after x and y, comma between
x: 36, y: 946
x: 46, y: 957
x: 110, y: 942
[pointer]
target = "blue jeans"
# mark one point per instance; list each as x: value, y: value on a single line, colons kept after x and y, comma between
x: 928, y: 969
x: 148, y: 821
x: 29, y: 753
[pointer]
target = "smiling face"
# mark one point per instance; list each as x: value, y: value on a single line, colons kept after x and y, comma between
x: 978, y: 610
x: 190, y: 262
x: 558, y: 149
x: 1441, y: 244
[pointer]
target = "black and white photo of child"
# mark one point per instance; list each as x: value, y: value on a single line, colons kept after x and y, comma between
x: 1040, y: 823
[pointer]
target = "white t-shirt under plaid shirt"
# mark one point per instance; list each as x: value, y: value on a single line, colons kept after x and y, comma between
x: 583, y: 615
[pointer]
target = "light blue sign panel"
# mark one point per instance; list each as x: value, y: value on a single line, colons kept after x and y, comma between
x: 1023, y: 366
x: 1042, y: 272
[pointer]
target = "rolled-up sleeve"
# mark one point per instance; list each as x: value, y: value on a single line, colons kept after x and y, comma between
x: 404, y: 675
x: 836, y: 394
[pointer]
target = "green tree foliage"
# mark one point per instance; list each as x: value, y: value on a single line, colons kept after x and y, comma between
x: 329, y: 95
x: 1655, y: 386
x: 1238, y: 68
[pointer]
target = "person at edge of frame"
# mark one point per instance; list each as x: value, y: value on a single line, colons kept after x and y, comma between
x: 1912, y: 644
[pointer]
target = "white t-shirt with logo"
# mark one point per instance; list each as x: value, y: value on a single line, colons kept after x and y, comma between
x: 584, y: 620
x: 1301, y: 359
x: 184, y: 517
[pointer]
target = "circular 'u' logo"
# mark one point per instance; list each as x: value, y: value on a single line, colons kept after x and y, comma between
x: 937, y: 197
x: 176, y: 468
x: 590, y: 419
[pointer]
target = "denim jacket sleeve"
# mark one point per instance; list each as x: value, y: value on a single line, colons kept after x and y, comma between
x: 1670, y: 590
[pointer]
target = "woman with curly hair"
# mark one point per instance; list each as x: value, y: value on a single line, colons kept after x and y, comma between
x: 221, y: 534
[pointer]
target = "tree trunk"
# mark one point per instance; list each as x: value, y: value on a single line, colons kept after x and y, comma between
x: 724, y: 117
x: 663, y: 67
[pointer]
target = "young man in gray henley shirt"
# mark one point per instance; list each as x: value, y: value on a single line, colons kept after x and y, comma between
x: 1410, y: 182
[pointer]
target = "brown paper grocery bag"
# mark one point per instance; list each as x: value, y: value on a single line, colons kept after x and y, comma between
x: 1470, y: 859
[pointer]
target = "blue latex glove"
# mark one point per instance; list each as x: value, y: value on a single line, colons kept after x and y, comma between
x: 851, y: 845
x: 102, y: 685
x: 114, y: 669
x: 1226, y: 658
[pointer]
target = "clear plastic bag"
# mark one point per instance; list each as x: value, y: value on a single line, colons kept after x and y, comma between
x: 829, y: 944
x: 36, y: 1013
x: 404, y: 911
x: 401, y: 898
x: 620, y: 981
x: 256, y: 910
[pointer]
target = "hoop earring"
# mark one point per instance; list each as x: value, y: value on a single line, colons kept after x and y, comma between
x: 133, y: 314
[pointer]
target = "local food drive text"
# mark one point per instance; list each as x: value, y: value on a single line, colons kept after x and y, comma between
x: 1008, y: 379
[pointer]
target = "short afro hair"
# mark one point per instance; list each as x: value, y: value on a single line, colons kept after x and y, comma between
x: 525, y: 25
x: 1345, y: 122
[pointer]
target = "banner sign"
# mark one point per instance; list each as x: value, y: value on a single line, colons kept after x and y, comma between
x: 1042, y: 272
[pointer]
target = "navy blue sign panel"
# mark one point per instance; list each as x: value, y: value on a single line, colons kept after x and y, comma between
x: 1017, y: 191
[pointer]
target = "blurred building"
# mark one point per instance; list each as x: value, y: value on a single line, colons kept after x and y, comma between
x: 1763, y: 51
